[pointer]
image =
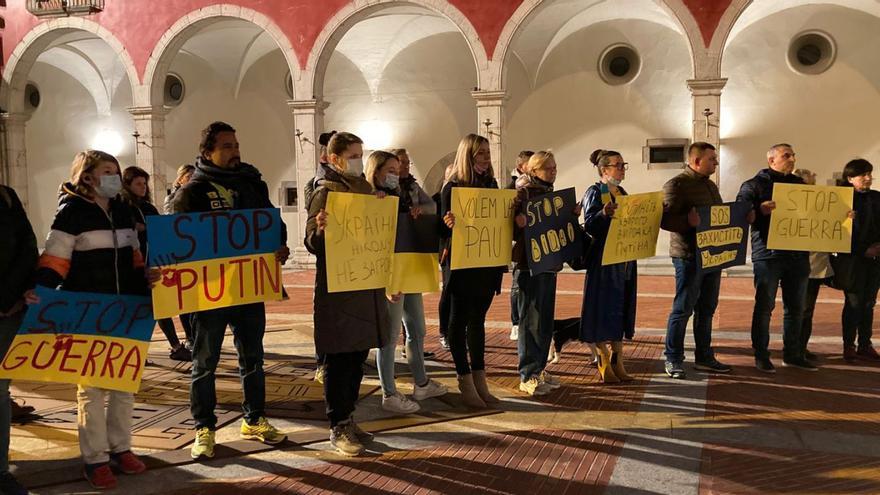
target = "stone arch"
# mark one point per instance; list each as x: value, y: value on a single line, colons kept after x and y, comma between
x: 37, y: 40
x: 311, y: 81
x: 181, y: 31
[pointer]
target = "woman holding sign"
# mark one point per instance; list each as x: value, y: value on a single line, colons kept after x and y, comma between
x: 382, y: 172
x: 93, y: 247
x: 609, y: 309
x: 471, y: 290
x: 347, y: 324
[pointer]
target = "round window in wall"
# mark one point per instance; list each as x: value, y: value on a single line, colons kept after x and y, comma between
x: 31, y: 97
x: 811, y: 52
x: 619, y: 64
x: 174, y: 90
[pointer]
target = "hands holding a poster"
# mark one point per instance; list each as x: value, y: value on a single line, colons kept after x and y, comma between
x: 482, y: 227
x: 635, y: 227
x: 553, y: 233
x: 810, y: 218
x: 721, y: 235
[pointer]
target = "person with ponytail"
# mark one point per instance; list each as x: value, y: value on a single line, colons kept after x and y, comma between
x: 608, y: 314
x: 471, y: 290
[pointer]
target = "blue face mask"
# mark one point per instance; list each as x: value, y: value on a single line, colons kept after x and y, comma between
x: 392, y: 181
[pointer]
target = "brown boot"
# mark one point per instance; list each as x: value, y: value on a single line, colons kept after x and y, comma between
x: 469, y: 394
x: 617, y: 362
x: 606, y: 373
x: 483, y: 388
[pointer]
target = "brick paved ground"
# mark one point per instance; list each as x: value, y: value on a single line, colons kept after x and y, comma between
x: 794, y: 432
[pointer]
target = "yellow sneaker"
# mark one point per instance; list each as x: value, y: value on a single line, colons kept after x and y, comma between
x: 204, y: 444
x: 262, y: 431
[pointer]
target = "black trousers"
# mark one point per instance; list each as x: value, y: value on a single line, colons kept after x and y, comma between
x: 343, y: 373
x: 445, y: 302
x: 467, y: 330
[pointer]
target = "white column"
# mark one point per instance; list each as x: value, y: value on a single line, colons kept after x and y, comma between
x: 149, y: 123
x: 16, y: 173
x: 308, y: 122
x: 706, y: 95
x: 490, y: 109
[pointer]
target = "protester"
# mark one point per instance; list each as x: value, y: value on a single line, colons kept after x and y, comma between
x: 347, y: 324
x: 536, y: 298
x: 136, y: 191
x: 93, y: 247
x: 696, y: 291
x: 863, y: 263
x: 383, y: 174
x: 184, y: 174
x: 18, y: 259
x: 222, y: 182
x: 821, y: 273
x: 443, y: 306
x: 521, y: 160
x: 609, y: 308
x: 774, y: 268
x: 471, y: 290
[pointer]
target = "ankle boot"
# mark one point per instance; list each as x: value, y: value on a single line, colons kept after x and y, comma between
x: 617, y: 362
x: 606, y: 373
x: 469, y: 394
x: 483, y: 388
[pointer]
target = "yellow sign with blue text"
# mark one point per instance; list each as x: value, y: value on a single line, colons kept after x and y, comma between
x: 634, y: 228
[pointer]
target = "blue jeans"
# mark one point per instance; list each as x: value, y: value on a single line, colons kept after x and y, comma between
x: 792, y: 273
x: 8, y: 329
x: 248, y: 323
x: 411, y: 311
x: 536, y: 303
x: 695, y: 294
x: 514, y: 301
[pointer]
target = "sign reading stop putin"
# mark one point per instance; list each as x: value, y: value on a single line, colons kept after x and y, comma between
x: 214, y: 259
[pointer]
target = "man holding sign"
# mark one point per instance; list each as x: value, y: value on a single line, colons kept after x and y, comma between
x: 774, y: 267
x: 221, y: 182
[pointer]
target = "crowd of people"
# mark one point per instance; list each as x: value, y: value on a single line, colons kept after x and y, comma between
x: 98, y: 240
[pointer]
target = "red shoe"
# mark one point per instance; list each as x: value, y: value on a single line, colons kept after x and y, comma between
x: 868, y: 352
x: 849, y: 353
x: 101, y: 477
x: 128, y: 463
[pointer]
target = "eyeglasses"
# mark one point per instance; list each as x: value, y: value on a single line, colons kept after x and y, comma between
x: 620, y: 166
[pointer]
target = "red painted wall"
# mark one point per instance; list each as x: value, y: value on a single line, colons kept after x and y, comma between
x: 139, y: 24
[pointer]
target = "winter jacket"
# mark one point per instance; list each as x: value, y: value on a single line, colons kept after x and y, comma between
x: 344, y: 321
x: 412, y: 194
x: 142, y: 210
x: 18, y: 250
x: 686, y: 190
x: 92, y: 250
x: 168, y: 205
x: 755, y: 191
x: 866, y: 224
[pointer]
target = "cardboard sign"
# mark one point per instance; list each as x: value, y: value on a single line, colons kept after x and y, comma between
x: 96, y: 340
x: 811, y: 218
x: 359, y: 241
x: 722, y: 236
x: 214, y: 259
x: 483, y: 232
x: 415, y: 268
x: 553, y: 234
x: 635, y: 227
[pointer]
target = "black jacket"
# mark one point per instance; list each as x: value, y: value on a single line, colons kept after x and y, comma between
x: 214, y: 188
x: 18, y: 249
x: 866, y: 224
x: 142, y: 210
x: 755, y: 191
x: 92, y: 250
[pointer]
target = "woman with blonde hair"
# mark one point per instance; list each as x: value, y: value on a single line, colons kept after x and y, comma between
x: 608, y: 314
x: 184, y: 174
x: 471, y: 290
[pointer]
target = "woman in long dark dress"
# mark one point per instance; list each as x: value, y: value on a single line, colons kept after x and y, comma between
x: 609, y: 309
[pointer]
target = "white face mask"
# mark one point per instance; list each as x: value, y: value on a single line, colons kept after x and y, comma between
x: 613, y: 181
x: 355, y: 166
x: 392, y: 181
x: 109, y: 187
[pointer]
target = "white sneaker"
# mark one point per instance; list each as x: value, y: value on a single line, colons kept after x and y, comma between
x: 551, y: 381
x: 514, y: 332
x: 431, y: 389
x: 534, y: 387
x: 398, y: 403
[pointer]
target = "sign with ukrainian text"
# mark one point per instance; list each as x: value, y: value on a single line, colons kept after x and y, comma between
x: 634, y: 229
x: 214, y: 259
x: 359, y: 241
x: 414, y: 266
x: 95, y: 340
x: 483, y: 231
x: 722, y: 236
x: 811, y: 218
x: 553, y: 234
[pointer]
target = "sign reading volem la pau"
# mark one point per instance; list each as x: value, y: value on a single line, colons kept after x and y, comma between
x: 483, y: 231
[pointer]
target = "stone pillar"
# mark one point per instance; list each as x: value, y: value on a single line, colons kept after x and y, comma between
x: 308, y: 123
x: 15, y: 174
x: 706, y: 94
x: 490, y: 105
x: 149, y: 124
